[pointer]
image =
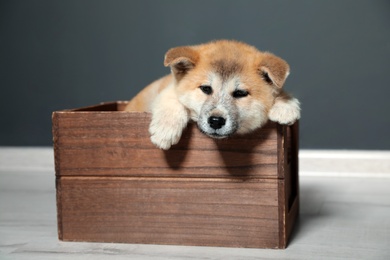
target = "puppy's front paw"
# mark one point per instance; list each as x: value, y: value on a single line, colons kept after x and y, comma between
x: 165, y: 132
x: 164, y: 139
x: 285, y: 111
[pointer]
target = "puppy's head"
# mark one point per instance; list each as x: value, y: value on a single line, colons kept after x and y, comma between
x: 228, y: 87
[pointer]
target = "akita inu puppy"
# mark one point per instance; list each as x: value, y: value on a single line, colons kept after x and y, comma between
x: 227, y: 87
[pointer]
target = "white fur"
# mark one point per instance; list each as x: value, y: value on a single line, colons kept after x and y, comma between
x: 169, y: 119
x: 285, y: 111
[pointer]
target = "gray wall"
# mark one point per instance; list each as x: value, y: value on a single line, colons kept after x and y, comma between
x: 66, y: 54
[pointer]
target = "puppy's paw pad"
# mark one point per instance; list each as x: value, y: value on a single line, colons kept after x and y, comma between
x: 285, y: 112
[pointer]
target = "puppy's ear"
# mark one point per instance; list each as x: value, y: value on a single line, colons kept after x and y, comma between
x: 274, y: 70
x: 181, y: 60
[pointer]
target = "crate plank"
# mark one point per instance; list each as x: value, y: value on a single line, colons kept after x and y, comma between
x: 91, y: 144
x: 216, y: 212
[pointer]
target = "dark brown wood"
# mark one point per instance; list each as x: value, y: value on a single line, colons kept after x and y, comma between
x: 113, y: 185
x: 90, y: 143
x: 212, y: 212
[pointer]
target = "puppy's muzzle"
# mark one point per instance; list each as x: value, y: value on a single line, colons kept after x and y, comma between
x: 216, y: 122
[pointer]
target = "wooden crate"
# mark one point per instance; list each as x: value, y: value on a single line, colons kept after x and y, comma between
x: 113, y: 185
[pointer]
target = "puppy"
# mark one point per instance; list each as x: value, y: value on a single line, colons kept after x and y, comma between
x: 227, y: 87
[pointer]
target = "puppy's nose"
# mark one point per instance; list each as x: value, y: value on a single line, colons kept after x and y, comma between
x: 216, y: 122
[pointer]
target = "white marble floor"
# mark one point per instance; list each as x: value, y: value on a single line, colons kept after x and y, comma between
x: 345, y: 213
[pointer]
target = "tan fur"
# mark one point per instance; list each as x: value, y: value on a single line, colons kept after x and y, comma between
x: 228, y: 67
x: 142, y: 102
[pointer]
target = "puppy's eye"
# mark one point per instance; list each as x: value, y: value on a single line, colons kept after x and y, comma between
x: 206, y: 89
x: 239, y: 93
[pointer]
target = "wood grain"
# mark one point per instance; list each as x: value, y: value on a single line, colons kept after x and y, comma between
x: 216, y: 212
x: 100, y: 143
x: 113, y: 185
